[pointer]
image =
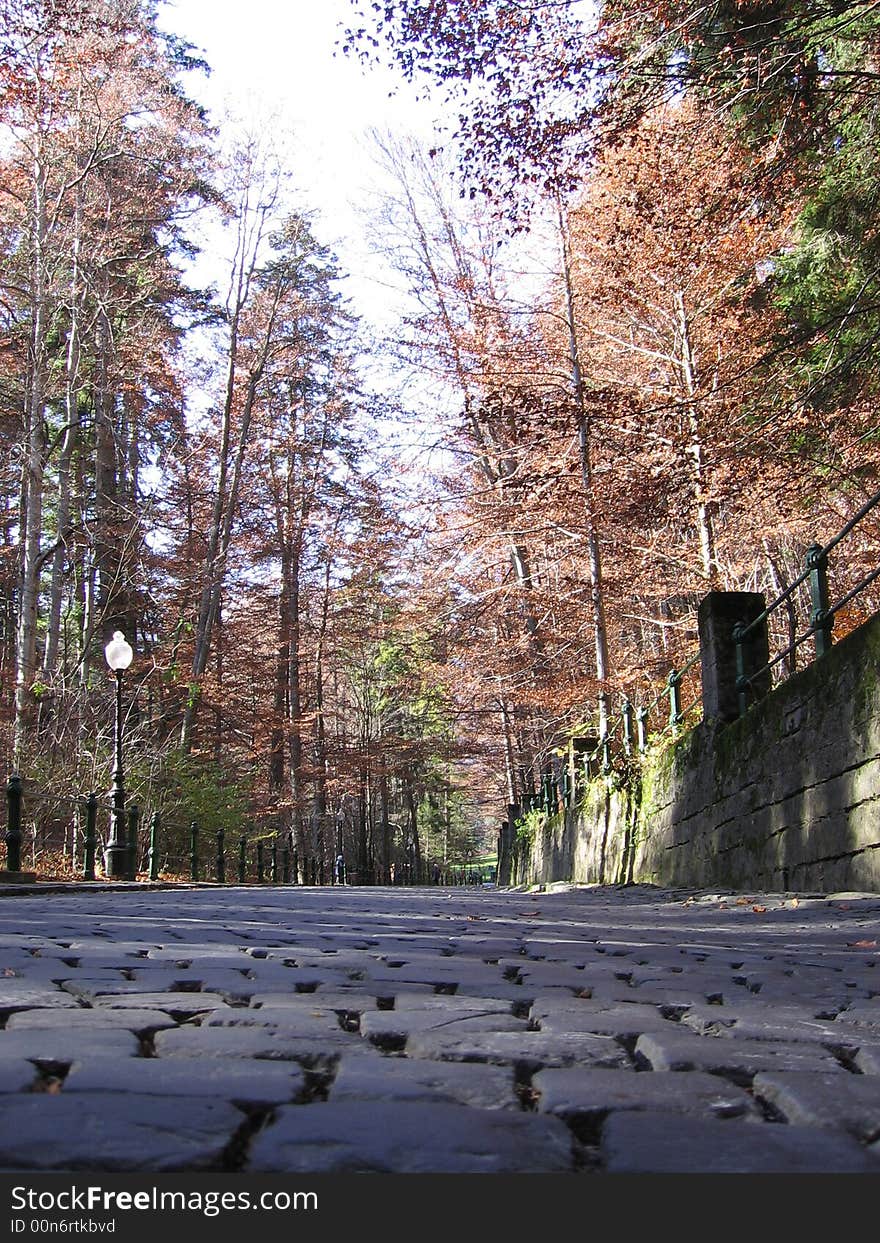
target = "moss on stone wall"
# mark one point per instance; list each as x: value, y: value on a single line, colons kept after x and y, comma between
x: 769, y: 798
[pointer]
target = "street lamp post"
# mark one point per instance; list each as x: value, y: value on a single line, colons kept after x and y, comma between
x: 119, y: 656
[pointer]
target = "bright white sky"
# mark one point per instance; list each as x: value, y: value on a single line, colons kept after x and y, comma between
x: 280, y: 57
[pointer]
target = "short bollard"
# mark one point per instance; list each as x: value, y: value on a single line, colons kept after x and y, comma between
x: 242, y: 860
x: 260, y: 864
x: 91, y: 842
x: 194, y: 851
x: 221, y: 857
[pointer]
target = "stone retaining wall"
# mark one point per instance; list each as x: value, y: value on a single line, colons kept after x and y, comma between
x: 785, y: 798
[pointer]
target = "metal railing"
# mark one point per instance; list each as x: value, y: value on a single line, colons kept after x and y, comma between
x: 629, y: 727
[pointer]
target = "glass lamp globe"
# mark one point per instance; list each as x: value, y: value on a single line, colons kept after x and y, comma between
x: 118, y: 652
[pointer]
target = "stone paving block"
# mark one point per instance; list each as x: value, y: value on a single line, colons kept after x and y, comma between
x: 847, y: 1102
x: 761, y: 1021
x: 183, y: 1004
x: 541, y: 974
x: 94, y: 1017
x: 66, y: 1044
x: 114, y: 1132
x: 675, y: 989
x: 591, y: 1094
x: 400, y: 1024
x: 327, y: 999
x: 452, y: 1003
x: 312, y: 1021
x: 530, y: 1049
x: 257, y: 1042
x: 16, y: 1075
x: 20, y: 994
x: 669, y: 1143
x: 740, y: 1059
x: 275, y: 977
x: 404, y: 1079
x: 432, y: 971
x: 867, y: 1059
x: 500, y: 990
x: 624, y: 1021
x: 417, y: 1138
x: 242, y: 1083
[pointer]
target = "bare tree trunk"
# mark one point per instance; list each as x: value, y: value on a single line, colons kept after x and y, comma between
x: 705, y: 532
x: 32, y: 482
x: 594, y: 556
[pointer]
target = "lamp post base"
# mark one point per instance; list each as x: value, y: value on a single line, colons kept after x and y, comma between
x: 116, y: 862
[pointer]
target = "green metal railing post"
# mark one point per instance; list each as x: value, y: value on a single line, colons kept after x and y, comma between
x: 194, y: 851
x: 627, y: 712
x: 13, y: 824
x: 641, y: 729
x: 673, y: 685
x: 221, y: 856
x: 242, y: 860
x: 742, y: 682
x: 91, y: 842
x: 820, y: 618
x: 155, y: 827
x: 260, y: 864
x: 133, y: 817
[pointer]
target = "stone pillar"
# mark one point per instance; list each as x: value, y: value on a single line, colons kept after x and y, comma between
x: 506, y: 839
x: 719, y: 613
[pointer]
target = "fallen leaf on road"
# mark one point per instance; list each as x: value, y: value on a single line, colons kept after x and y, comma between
x: 794, y: 902
x: 743, y: 901
x: 528, y: 914
x: 476, y: 916
x: 862, y: 945
x: 759, y: 910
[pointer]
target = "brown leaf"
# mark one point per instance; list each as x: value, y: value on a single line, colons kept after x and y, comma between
x: 528, y: 914
x: 862, y: 945
x: 476, y: 917
x: 759, y: 910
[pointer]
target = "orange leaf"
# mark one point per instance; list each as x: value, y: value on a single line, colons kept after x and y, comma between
x: 862, y: 945
x: 759, y: 910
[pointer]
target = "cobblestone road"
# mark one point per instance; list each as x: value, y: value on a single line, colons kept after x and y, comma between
x: 584, y: 1031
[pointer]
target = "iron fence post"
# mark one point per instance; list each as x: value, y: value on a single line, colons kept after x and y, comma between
x: 132, y: 847
x: 627, y: 712
x: 641, y: 730
x: 820, y: 618
x: 194, y: 851
x: 221, y: 856
x: 242, y: 860
x: 673, y: 684
x: 13, y: 824
x: 91, y: 842
x: 260, y: 863
x: 155, y: 822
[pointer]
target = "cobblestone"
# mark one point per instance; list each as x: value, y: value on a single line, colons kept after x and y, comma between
x: 584, y: 1030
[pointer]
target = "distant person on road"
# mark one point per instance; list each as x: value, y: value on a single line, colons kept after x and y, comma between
x: 340, y: 870
x: 436, y: 873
